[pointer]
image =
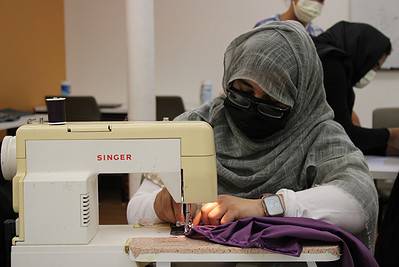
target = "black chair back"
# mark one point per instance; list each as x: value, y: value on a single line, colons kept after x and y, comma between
x: 81, y: 108
x: 169, y: 106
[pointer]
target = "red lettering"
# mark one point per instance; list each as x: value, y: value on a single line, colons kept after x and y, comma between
x: 106, y: 157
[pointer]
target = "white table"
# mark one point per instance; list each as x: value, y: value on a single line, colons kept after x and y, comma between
x: 22, y: 120
x: 383, y: 168
x: 110, y: 248
x: 164, y: 251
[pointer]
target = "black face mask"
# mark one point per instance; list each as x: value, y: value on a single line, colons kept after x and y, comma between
x: 255, y: 117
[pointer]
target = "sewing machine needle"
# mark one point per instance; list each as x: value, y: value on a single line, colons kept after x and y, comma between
x: 188, y: 220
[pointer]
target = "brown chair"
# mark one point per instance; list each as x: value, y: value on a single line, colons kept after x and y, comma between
x: 169, y: 106
x: 81, y: 108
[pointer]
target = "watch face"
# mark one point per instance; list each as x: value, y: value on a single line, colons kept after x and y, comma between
x: 273, y: 205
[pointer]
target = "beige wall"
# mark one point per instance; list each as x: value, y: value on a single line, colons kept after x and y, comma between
x: 96, y: 48
x: 32, y: 53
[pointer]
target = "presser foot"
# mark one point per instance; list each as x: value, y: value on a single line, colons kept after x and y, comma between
x: 188, y: 224
x: 183, y: 228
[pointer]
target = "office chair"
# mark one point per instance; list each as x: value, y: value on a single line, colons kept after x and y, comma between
x: 81, y: 108
x: 386, y: 118
x: 168, y: 106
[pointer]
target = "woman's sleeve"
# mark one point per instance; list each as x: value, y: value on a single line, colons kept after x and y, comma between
x: 333, y: 160
x: 328, y: 203
x: 141, y: 206
x: 370, y: 141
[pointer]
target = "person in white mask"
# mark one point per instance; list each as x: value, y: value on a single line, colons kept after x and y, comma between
x: 303, y: 11
x: 351, y: 53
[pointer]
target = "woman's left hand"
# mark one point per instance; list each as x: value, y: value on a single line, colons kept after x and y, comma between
x: 229, y: 208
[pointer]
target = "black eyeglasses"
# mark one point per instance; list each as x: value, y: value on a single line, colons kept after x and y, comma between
x: 245, y: 101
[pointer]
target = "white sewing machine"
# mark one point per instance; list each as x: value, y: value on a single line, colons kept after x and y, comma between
x: 55, y: 187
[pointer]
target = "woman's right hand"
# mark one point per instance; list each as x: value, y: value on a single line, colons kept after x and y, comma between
x: 393, y: 142
x: 166, y: 208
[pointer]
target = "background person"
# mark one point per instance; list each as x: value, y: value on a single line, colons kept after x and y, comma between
x: 303, y: 11
x: 351, y: 53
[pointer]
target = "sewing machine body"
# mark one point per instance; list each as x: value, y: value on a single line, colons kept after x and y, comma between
x: 55, y: 188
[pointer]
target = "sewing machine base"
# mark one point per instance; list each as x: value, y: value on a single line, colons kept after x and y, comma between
x: 108, y: 248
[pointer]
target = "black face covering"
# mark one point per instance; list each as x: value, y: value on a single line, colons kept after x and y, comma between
x: 256, y: 118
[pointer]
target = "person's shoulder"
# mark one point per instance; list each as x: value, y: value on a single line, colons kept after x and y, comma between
x: 313, y: 29
x: 332, y: 143
x: 209, y: 112
x: 190, y: 115
x: 333, y: 59
x: 267, y: 20
x: 332, y: 134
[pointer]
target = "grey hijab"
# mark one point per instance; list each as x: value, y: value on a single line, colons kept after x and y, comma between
x: 311, y: 150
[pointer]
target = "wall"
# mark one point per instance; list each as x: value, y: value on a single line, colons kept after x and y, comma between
x: 32, y: 52
x: 190, y: 39
x: 382, y: 92
x: 96, y: 53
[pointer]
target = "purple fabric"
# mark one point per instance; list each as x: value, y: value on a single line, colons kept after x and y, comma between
x: 285, y: 235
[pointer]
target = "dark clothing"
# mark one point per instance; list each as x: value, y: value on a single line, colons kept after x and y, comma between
x: 387, y: 246
x: 341, y: 97
x: 348, y: 51
x: 286, y: 235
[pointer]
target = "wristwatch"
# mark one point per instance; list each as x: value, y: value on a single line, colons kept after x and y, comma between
x: 272, y: 205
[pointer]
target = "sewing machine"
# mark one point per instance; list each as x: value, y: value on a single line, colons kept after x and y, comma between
x: 55, y: 194
x: 55, y: 187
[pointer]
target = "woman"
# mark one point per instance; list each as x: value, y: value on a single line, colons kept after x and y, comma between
x: 350, y: 54
x: 303, y: 11
x: 274, y: 133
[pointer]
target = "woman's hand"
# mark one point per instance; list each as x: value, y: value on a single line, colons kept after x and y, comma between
x: 393, y: 142
x: 229, y: 208
x: 168, y: 210
x: 355, y: 119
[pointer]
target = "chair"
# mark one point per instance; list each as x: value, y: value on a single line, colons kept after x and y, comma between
x: 169, y: 106
x: 81, y: 108
x: 386, y: 118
